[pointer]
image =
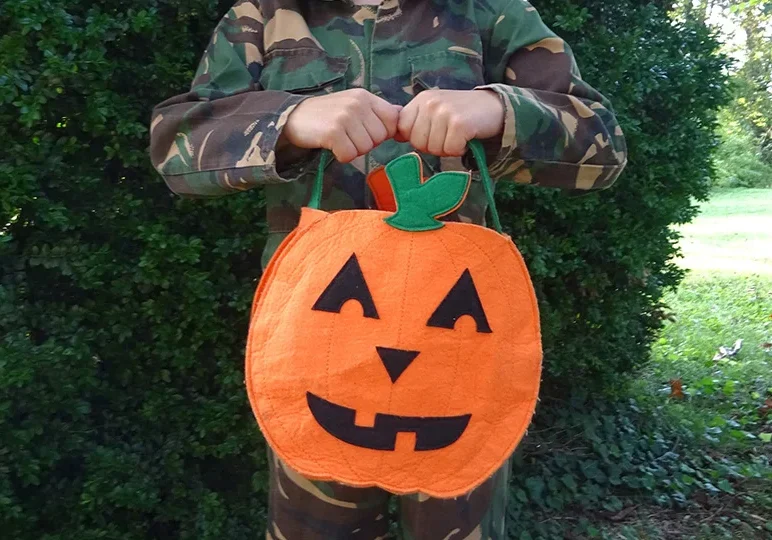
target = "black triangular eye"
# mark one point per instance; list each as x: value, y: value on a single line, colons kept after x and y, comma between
x: 461, y: 300
x: 348, y: 284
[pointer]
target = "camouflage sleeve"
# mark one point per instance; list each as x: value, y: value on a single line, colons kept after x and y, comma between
x: 222, y: 135
x: 558, y: 130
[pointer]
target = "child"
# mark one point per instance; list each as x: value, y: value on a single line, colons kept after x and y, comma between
x: 371, y: 81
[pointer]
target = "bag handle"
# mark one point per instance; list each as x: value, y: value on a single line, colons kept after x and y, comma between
x: 478, y: 152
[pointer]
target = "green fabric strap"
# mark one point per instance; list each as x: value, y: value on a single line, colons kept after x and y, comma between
x: 485, y: 175
x: 478, y: 152
x: 316, y: 195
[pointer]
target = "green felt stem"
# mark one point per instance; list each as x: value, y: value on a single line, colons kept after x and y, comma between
x: 419, y: 204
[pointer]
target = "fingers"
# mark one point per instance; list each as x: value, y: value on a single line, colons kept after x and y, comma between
x: 407, y: 119
x: 433, y: 123
x: 437, y: 135
x: 353, y: 122
x: 388, y: 115
x: 362, y: 122
x: 358, y: 135
x: 456, y: 139
x: 343, y: 149
x: 375, y: 128
x: 419, y: 136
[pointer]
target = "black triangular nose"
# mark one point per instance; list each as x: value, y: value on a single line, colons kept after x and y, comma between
x: 395, y: 361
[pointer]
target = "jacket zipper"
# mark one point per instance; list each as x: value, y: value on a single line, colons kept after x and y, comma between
x: 369, y: 34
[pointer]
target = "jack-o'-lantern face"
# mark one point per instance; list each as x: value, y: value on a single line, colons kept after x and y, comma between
x: 380, y: 356
x: 431, y: 432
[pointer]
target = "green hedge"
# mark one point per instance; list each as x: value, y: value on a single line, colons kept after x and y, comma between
x: 601, y: 261
x: 123, y: 309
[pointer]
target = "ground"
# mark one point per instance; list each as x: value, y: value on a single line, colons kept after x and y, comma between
x: 726, y: 297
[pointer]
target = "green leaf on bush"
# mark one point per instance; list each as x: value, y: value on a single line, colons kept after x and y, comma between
x: 724, y: 485
x: 535, y: 487
x: 569, y: 482
x: 729, y: 388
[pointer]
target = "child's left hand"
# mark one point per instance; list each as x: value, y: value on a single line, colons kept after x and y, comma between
x: 442, y: 122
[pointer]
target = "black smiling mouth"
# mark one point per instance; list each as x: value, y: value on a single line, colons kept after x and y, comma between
x: 432, y: 432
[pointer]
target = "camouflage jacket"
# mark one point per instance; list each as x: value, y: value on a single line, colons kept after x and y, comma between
x: 267, y: 56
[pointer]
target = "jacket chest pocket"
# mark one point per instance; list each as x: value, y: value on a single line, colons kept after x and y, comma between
x: 303, y: 71
x: 446, y: 70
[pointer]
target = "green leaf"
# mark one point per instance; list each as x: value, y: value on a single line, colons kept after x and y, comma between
x: 724, y: 485
x: 535, y: 487
x: 687, y: 480
x: 613, y: 504
x: 569, y: 481
x: 766, y: 437
x: 648, y: 482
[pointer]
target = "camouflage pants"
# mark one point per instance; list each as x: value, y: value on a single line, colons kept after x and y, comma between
x: 301, y: 509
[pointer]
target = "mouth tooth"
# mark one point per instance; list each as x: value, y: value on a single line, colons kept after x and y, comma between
x: 364, y: 419
x: 406, y: 441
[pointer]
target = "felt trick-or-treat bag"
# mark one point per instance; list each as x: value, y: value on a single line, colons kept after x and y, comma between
x: 393, y: 349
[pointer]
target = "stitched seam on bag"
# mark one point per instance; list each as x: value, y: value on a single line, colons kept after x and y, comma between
x: 399, y: 331
x: 458, y: 350
x: 527, y: 420
x: 318, y: 245
x: 370, y: 244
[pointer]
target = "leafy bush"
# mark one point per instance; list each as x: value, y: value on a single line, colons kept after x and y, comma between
x: 601, y: 262
x: 739, y: 160
x: 123, y: 309
x: 592, y: 460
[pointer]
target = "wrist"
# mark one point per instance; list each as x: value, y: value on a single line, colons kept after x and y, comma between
x: 494, y: 113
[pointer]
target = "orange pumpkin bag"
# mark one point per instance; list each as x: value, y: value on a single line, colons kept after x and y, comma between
x: 393, y: 349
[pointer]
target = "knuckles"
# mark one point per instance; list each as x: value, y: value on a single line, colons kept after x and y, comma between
x: 342, y: 117
x: 359, y: 94
x: 357, y: 103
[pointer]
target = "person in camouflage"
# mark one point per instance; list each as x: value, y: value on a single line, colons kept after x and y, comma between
x: 282, y: 79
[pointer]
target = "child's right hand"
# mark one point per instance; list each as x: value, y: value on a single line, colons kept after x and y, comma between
x: 348, y: 123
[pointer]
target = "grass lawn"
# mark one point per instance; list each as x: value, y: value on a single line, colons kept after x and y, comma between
x: 683, y: 449
x: 732, y: 236
x: 727, y: 296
